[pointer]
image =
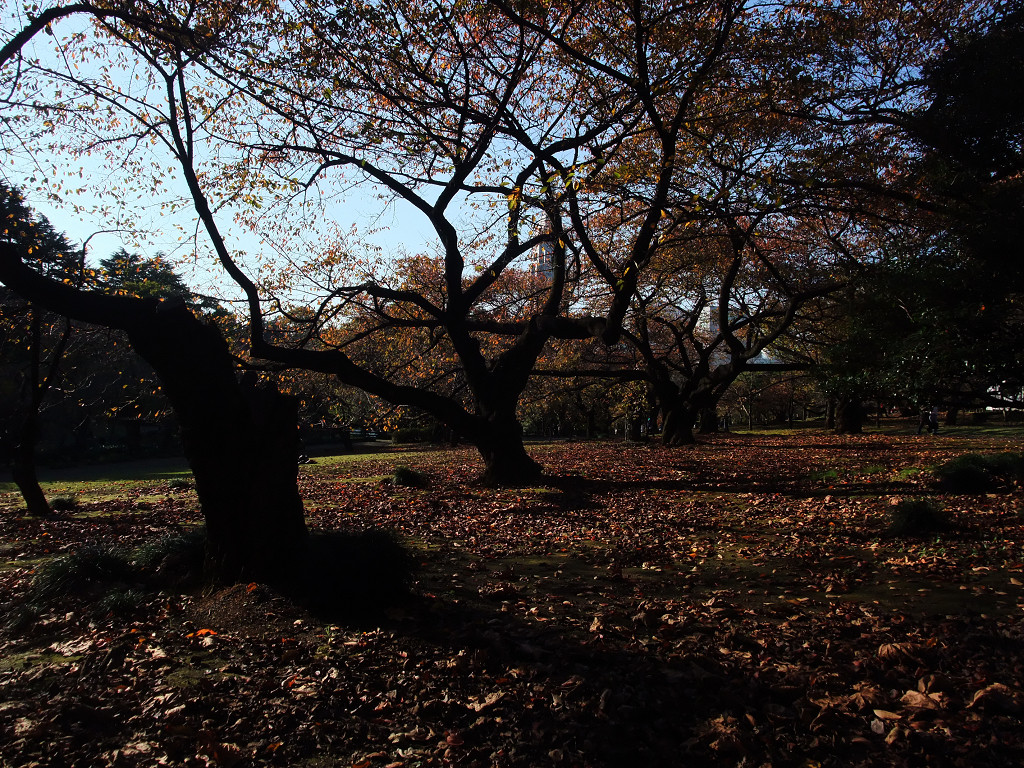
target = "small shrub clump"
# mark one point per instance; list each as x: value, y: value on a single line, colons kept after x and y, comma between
x: 79, y: 572
x: 1008, y: 467
x: 175, y: 560
x: 121, y: 601
x: 918, y: 517
x: 412, y: 435
x: 980, y: 473
x: 355, y: 575
x: 409, y: 478
x: 118, y: 578
x: 64, y: 504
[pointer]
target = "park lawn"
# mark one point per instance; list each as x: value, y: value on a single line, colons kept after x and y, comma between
x: 736, y: 603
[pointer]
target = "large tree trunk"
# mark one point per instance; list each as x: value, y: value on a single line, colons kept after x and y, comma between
x: 678, y: 416
x: 506, y: 461
x: 830, y: 413
x: 709, y: 420
x: 23, y: 466
x: 635, y: 430
x: 241, y: 441
x: 849, y: 416
x: 678, y: 426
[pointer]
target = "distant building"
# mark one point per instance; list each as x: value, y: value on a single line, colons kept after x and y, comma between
x: 542, y: 256
x: 708, y: 322
x: 542, y: 260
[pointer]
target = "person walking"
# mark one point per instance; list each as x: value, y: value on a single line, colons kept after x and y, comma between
x: 922, y: 420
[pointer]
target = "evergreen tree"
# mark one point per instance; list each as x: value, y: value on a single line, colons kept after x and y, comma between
x: 32, y: 341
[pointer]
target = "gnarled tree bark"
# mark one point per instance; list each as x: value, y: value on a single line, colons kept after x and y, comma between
x: 240, y: 438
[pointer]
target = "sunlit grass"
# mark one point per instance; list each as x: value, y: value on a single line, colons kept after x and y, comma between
x: 889, y: 426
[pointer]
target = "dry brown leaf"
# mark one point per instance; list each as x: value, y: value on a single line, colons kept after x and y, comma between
x: 931, y: 683
x: 996, y: 698
x: 899, y: 652
x: 478, y: 705
x: 919, y: 700
x: 885, y: 714
x: 868, y: 697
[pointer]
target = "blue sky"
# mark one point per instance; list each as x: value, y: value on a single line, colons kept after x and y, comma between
x: 141, y: 223
x: 141, y: 226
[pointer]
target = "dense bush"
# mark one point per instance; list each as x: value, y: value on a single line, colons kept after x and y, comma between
x: 354, y: 574
x: 175, y: 560
x: 1008, y: 467
x: 119, y: 573
x: 121, y: 600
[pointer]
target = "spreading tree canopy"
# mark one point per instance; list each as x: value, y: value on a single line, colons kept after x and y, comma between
x: 605, y: 131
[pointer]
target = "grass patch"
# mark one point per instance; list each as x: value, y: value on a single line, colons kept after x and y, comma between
x: 176, y: 560
x: 149, y: 471
x: 345, y: 459
x: 29, y: 659
x: 98, y: 482
x: 88, y: 492
x: 121, y: 601
x: 190, y: 678
x: 984, y: 430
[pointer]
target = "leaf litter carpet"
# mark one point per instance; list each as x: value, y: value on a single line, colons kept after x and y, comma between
x: 739, y: 603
